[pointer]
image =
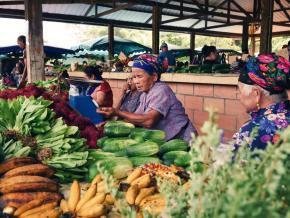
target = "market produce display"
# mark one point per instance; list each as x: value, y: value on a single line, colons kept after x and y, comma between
x: 138, y: 189
x: 61, y: 108
x: 29, y: 128
x: 28, y: 188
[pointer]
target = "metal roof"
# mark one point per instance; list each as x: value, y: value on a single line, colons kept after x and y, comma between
x: 208, y: 17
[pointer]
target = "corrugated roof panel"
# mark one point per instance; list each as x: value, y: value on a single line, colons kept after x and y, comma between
x: 280, y: 16
x: 17, y: 7
x: 182, y: 23
x: 229, y: 29
x: 71, y: 9
x: 131, y: 16
x: 280, y: 28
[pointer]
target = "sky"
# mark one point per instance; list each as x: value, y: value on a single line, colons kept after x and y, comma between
x: 55, y: 33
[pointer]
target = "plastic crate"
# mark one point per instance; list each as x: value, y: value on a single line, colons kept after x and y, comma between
x: 85, y: 106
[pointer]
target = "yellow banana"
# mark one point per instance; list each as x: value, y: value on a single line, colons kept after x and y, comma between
x: 143, y: 181
x: 132, y: 193
x: 143, y: 194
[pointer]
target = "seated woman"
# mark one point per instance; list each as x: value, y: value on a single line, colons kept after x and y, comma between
x: 130, y: 98
x: 159, y: 108
x: 263, y: 85
x: 210, y: 55
x: 102, y: 94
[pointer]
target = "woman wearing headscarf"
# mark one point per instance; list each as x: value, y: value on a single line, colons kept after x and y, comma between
x: 159, y: 108
x: 101, y: 94
x: 263, y: 88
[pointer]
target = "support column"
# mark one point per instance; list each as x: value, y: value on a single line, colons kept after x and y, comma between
x: 266, y: 26
x: 156, y: 20
x: 245, y: 38
x: 35, y: 53
x: 111, y: 43
x: 192, y: 45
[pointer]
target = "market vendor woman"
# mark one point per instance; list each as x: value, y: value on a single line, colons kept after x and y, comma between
x: 263, y: 86
x: 159, y: 108
x: 102, y: 94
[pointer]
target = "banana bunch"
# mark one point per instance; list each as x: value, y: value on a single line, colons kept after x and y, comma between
x: 143, y: 192
x: 95, y: 202
x: 27, y: 189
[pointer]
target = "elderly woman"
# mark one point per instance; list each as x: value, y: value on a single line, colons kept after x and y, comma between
x: 263, y: 86
x: 159, y: 108
x: 130, y: 98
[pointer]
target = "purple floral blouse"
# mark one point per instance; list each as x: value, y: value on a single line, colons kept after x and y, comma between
x: 265, y: 123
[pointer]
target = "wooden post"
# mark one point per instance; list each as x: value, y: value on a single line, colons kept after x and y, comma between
x: 245, y: 38
x: 35, y: 53
x: 192, y: 45
x: 266, y: 26
x: 156, y: 20
x: 111, y: 43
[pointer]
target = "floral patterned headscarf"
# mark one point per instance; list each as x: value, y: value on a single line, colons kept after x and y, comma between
x: 150, y: 63
x: 270, y: 72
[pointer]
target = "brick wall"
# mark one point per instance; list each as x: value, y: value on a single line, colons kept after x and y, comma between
x: 197, y: 97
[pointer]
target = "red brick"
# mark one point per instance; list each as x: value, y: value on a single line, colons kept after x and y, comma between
x: 241, y: 120
x: 214, y: 103
x: 200, y: 117
x: 189, y: 113
x: 121, y: 83
x: 193, y: 102
x: 203, y: 90
x: 180, y: 98
x: 185, y: 89
x: 173, y: 86
x: 223, y: 91
x: 228, y: 135
x: 113, y: 83
x: 234, y: 107
x: 228, y: 122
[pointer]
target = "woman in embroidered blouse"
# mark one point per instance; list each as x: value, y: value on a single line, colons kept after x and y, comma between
x: 263, y: 86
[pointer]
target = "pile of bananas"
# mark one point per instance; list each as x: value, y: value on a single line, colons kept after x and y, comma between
x: 94, y: 202
x: 143, y: 192
x: 28, y: 189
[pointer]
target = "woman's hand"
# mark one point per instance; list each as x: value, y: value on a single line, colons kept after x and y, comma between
x: 107, y: 111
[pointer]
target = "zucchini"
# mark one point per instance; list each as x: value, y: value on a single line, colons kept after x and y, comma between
x: 99, y: 155
x: 154, y: 135
x: 117, y: 144
x: 172, y: 155
x: 137, y: 134
x: 119, y: 123
x: 158, y: 141
x: 144, y: 149
x: 139, y: 161
x: 101, y: 141
x: 174, y: 145
x: 183, y: 160
x: 117, y: 131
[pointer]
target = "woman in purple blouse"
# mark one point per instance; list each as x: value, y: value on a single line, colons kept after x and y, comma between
x: 159, y: 108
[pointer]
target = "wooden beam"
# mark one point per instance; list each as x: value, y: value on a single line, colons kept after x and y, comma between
x: 89, y: 9
x: 266, y: 26
x: 192, y: 45
x: 11, y: 13
x: 156, y: 20
x: 206, y: 9
x: 118, y: 8
x: 11, y: 3
x: 213, y: 10
x: 245, y: 38
x: 197, y: 4
x: 220, y: 26
x: 35, y: 53
x: 111, y: 43
x: 229, y: 11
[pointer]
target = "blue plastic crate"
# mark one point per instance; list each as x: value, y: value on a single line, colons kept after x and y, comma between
x: 85, y: 106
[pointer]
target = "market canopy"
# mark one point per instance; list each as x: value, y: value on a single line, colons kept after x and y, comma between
x: 207, y: 17
x: 120, y: 45
x: 50, y: 51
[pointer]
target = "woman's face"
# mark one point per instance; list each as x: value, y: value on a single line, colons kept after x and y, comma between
x: 21, y: 44
x: 143, y: 80
x: 249, y: 99
x: 89, y: 77
x: 213, y: 56
x: 131, y: 84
